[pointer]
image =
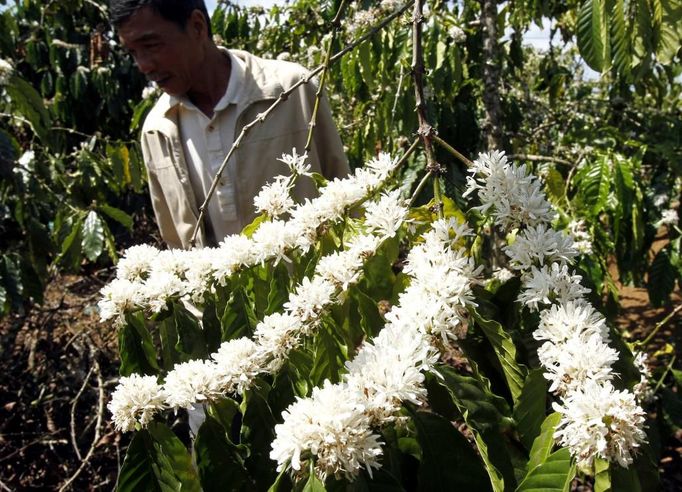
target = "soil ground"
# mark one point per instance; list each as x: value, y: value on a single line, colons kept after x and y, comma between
x: 59, y: 366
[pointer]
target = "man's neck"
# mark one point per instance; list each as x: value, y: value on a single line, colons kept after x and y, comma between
x: 212, y: 83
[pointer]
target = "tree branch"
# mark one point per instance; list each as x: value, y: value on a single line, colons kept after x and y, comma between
x: 283, y: 96
x: 425, y: 130
x: 336, y: 24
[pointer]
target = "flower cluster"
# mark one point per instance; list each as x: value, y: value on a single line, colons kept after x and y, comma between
x: 597, y: 420
x: 6, y: 70
x: 147, y: 278
x: 512, y: 195
x: 389, y: 369
x: 237, y: 362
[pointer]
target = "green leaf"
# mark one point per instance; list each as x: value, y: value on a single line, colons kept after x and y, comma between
x: 506, y: 353
x: 555, y: 185
x: 210, y: 324
x: 485, y: 414
x: 448, y: 460
x: 552, y: 475
x: 238, y: 319
x: 190, y: 335
x: 138, y: 472
x: 544, y: 442
x: 71, y: 247
x: 593, y: 185
x: 529, y: 411
x: 330, y: 355
x: 661, y: 278
x: 249, y: 229
x: 174, y: 451
x: 593, y: 34
x: 92, y: 240
x: 625, y: 479
x: 370, y: 318
x: 621, y: 41
x: 282, y: 484
x: 279, y: 289
x: 157, y: 461
x: 29, y: 104
x: 313, y: 484
x: 671, y: 33
x: 218, y: 460
x: 258, y: 432
x: 602, y: 476
x: 118, y: 215
x: 482, y: 408
x: 136, y: 348
x: 367, y: 70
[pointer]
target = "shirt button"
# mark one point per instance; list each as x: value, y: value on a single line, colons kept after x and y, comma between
x: 211, y: 128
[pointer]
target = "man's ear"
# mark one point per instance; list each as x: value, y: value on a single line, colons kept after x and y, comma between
x: 197, y: 24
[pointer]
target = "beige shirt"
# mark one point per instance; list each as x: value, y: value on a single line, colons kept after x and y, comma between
x: 172, y: 195
x: 204, y: 140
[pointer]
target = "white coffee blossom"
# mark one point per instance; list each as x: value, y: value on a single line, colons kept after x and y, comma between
x: 277, y: 335
x: 571, y: 363
x: 273, y: 240
x: 643, y: 390
x: 237, y: 363
x: 274, y: 198
x: 389, y: 370
x: 457, y: 34
x: 331, y: 429
x: 135, y: 402
x: 502, y: 275
x: 120, y: 296
x: 342, y: 268
x: 136, y: 262
x: 669, y: 217
x: 386, y: 215
x: 6, y: 70
x: 310, y: 298
x: 564, y: 321
x: 582, y: 241
x: 510, y: 194
x: 382, y: 165
x: 551, y: 284
x: 297, y: 164
x: 540, y: 245
x: 598, y: 421
x: 160, y: 288
x: 150, y: 91
x: 192, y: 382
x: 234, y: 252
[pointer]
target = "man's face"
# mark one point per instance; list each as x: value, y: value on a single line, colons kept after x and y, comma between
x: 162, y: 51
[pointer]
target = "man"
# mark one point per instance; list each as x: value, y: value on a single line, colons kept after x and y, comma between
x: 210, y: 94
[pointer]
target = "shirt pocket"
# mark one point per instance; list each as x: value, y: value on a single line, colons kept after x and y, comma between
x: 160, y: 153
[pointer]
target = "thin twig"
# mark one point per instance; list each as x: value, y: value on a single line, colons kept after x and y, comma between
x: 665, y: 373
x: 74, y: 404
x: 658, y: 326
x: 98, y: 425
x: 540, y: 158
x: 420, y: 187
x: 336, y: 24
x: 282, y: 97
x: 397, y: 92
x: 425, y: 129
x: 452, y: 150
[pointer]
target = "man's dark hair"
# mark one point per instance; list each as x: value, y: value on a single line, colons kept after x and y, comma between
x: 178, y: 11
